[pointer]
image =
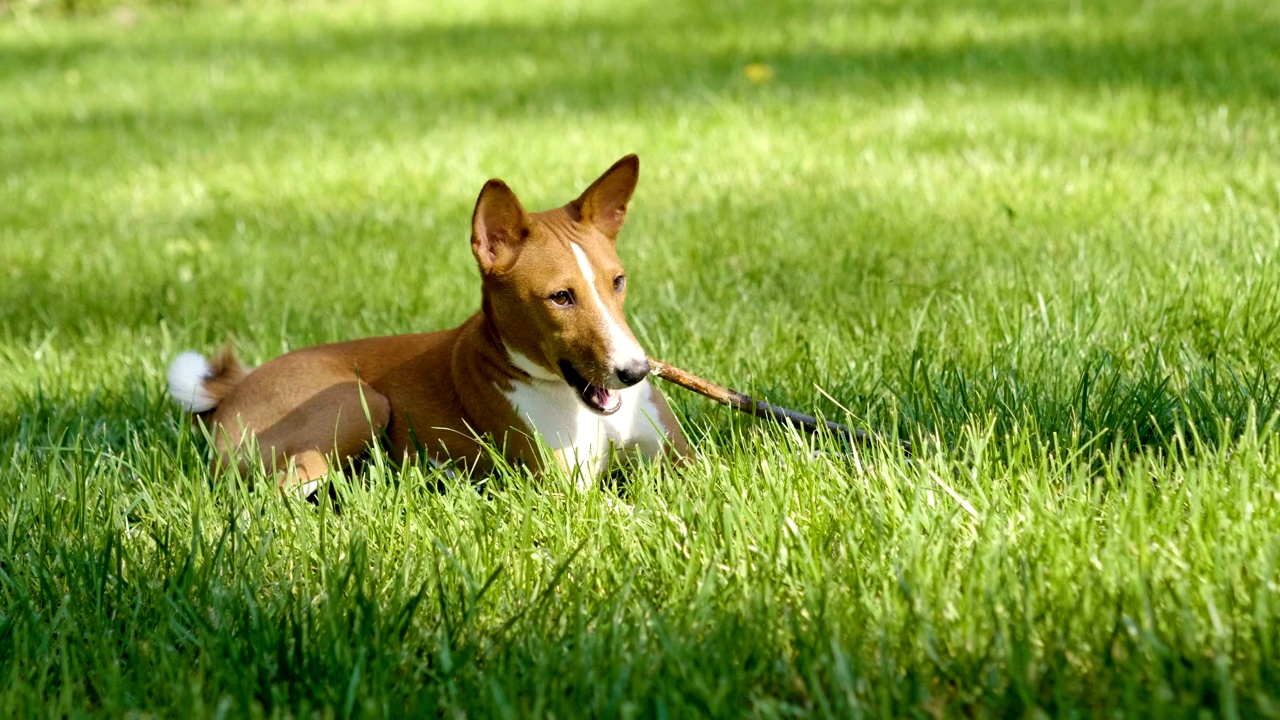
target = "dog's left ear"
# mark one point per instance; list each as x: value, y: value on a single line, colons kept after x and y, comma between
x: 604, y: 204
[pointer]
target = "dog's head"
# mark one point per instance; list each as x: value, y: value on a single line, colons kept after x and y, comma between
x: 554, y: 288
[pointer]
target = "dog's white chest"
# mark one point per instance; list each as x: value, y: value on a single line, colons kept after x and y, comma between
x: 583, y: 438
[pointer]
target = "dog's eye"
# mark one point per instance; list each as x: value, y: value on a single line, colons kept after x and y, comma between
x: 619, y: 283
x: 564, y: 298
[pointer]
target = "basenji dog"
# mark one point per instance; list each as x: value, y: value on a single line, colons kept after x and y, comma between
x: 548, y: 355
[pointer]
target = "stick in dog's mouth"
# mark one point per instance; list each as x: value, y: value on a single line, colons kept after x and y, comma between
x: 758, y: 408
x: 600, y: 399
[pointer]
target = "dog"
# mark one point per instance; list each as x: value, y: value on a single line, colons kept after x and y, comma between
x: 549, y: 355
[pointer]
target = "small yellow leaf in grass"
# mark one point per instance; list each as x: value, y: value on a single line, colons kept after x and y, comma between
x: 758, y: 73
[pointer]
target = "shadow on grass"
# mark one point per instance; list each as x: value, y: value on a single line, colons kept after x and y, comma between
x: 363, y: 629
x: 45, y: 424
x: 1100, y: 407
x: 667, y: 58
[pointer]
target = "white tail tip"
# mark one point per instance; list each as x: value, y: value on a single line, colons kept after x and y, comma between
x: 186, y: 382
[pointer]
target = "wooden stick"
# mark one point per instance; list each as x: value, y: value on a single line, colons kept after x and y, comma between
x: 758, y: 408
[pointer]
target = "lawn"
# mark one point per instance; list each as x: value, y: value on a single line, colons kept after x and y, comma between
x: 1037, y: 238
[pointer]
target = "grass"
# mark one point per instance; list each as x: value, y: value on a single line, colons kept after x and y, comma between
x: 1038, y: 238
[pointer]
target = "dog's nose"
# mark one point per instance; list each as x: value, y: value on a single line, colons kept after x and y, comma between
x: 633, y: 372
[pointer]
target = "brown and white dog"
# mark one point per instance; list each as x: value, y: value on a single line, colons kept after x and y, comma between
x: 549, y: 354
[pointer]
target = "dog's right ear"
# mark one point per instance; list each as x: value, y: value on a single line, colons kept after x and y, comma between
x: 499, y: 227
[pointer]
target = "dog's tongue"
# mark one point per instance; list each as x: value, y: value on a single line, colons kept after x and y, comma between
x: 602, y: 399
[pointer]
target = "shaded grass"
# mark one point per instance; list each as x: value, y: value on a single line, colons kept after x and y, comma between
x: 1037, y: 238
x: 1053, y: 589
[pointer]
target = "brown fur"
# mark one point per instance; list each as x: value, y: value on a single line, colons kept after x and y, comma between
x: 441, y: 393
x: 225, y: 372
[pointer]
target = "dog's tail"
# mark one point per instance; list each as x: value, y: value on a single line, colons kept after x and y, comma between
x: 198, y: 384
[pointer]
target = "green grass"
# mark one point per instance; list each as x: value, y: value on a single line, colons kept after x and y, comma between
x: 1038, y: 238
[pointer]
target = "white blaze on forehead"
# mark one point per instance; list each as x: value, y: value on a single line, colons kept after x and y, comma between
x: 622, y: 348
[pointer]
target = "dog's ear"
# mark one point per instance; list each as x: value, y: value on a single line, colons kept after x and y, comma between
x: 604, y: 204
x: 499, y: 227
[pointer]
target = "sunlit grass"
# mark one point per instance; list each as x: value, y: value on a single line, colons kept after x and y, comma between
x: 1039, y: 239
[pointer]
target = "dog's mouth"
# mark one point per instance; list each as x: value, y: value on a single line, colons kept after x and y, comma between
x: 600, y: 399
